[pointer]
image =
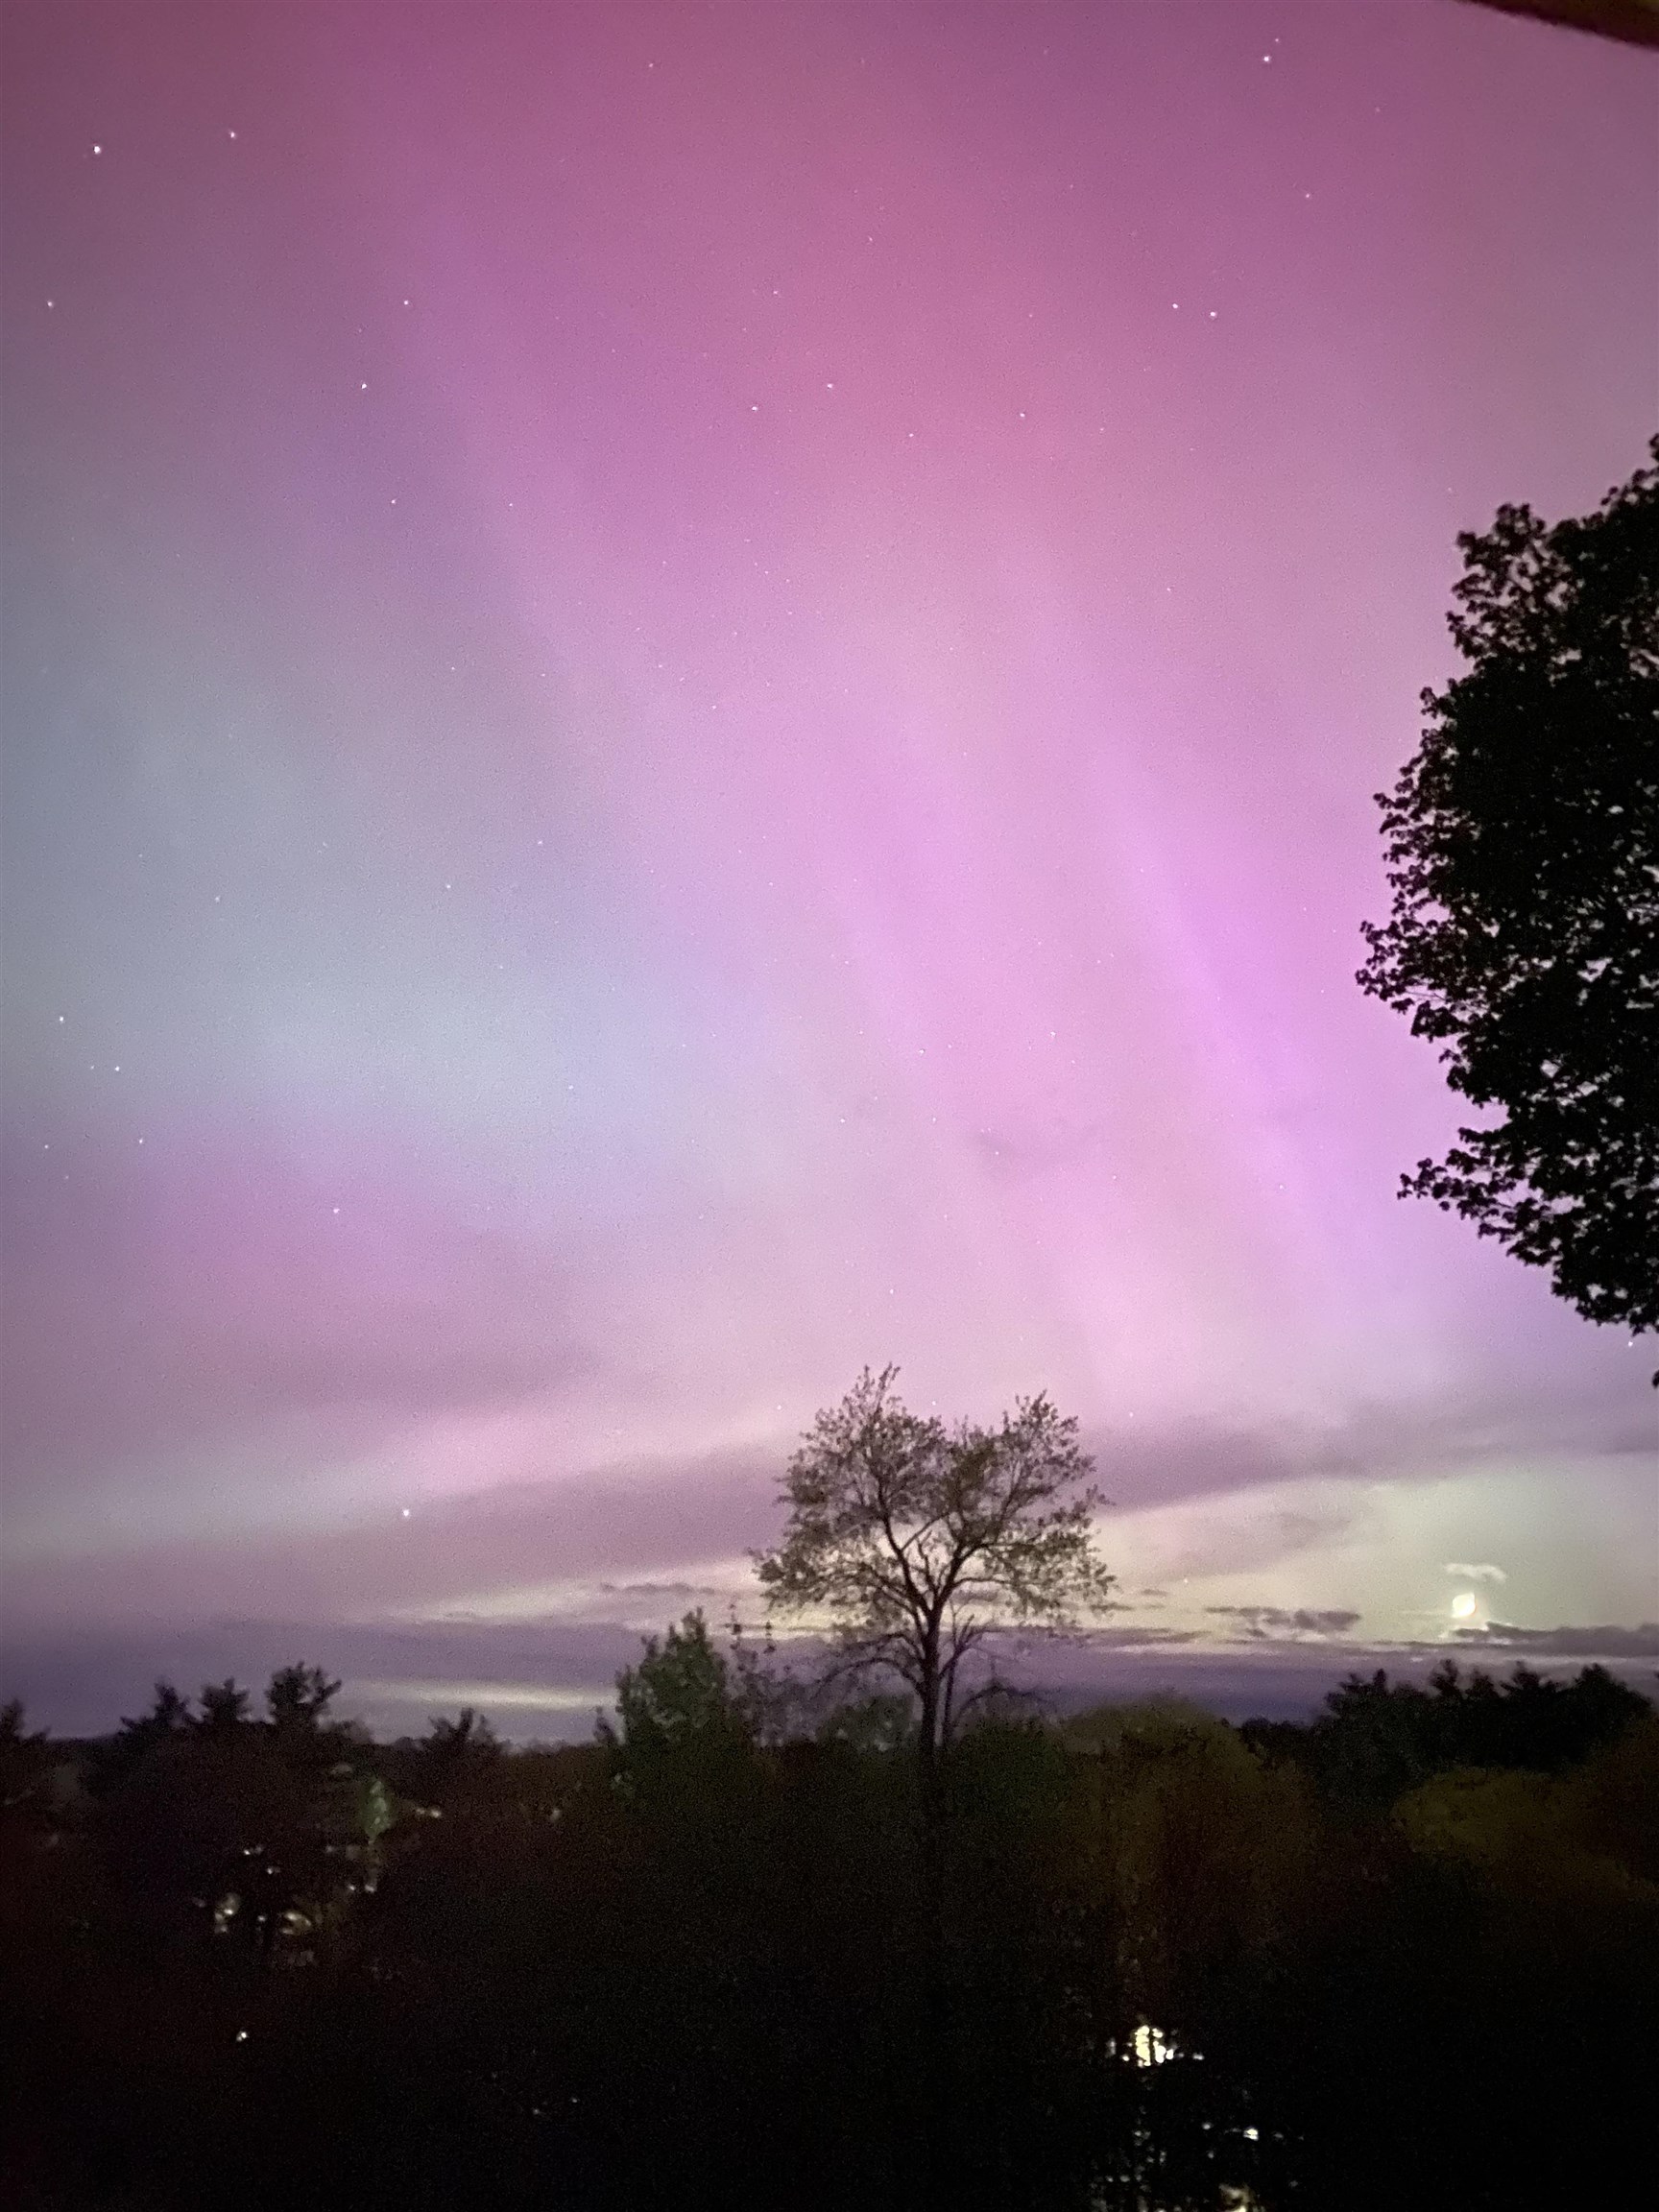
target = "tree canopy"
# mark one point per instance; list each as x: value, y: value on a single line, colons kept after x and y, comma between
x: 913, y: 1541
x: 682, y: 1694
x: 1404, y: 1955
x: 1523, y: 855
x: 299, y: 1696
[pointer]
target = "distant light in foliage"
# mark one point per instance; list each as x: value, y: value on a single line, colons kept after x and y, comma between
x: 1152, y: 2047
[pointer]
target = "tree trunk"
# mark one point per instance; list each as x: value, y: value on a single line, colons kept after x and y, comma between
x: 935, y: 2014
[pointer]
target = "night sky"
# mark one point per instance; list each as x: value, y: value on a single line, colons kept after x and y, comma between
x: 691, y: 697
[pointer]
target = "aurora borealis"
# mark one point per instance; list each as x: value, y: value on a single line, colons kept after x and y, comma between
x: 691, y: 697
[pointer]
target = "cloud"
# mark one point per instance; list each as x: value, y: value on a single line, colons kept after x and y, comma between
x: 1138, y: 1639
x: 214, y: 1292
x: 512, y: 1551
x: 1263, y: 1621
x: 1481, y: 1573
x: 672, y: 1593
x: 1606, y: 1642
x: 1195, y: 1458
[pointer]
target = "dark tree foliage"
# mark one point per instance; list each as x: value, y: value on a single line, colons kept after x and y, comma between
x: 25, y: 1760
x: 299, y: 1696
x: 1636, y: 22
x: 1183, y: 1973
x: 1377, y: 1739
x: 224, y: 1707
x: 681, y: 1695
x: 1523, y: 854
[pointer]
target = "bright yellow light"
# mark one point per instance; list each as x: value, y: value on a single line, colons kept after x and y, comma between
x: 1463, y: 1605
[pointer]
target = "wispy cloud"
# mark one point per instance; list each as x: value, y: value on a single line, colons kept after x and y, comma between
x: 1475, y: 1573
x: 1263, y: 1621
x: 1603, y: 1642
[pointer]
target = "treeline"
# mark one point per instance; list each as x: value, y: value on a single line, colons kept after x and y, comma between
x: 1406, y: 1956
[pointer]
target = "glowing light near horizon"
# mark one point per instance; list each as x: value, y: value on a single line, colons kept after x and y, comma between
x: 1463, y: 1605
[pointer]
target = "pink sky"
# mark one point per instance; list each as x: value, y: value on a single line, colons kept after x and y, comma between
x: 693, y: 696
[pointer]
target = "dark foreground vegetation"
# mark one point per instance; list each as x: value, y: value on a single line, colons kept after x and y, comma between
x: 1405, y: 1956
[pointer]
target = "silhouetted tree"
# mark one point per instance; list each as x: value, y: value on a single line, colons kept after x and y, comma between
x: 299, y: 1696
x: 1377, y: 1739
x: 469, y: 1736
x: 1523, y: 854
x: 912, y: 1541
x: 1636, y: 22
x: 681, y: 1695
x: 169, y: 1712
x: 224, y: 1707
x: 25, y: 1759
x: 457, y: 1766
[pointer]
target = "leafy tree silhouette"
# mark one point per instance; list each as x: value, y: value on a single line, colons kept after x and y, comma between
x: 224, y: 1708
x: 1522, y: 846
x: 681, y: 1695
x: 913, y: 1541
x: 299, y: 1698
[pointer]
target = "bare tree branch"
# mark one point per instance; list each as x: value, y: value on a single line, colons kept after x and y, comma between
x: 912, y: 1541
